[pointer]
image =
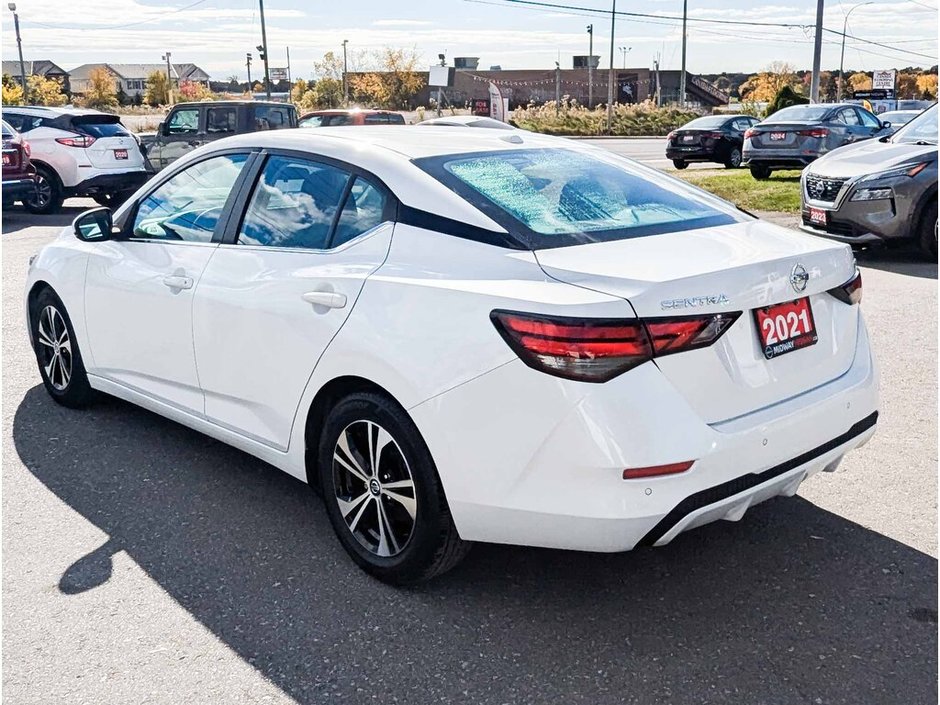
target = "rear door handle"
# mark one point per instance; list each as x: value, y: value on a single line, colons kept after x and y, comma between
x: 177, y: 281
x: 330, y: 299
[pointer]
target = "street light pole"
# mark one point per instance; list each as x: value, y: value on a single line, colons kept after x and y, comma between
x: 248, y: 65
x: 345, y: 81
x: 590, y: 31
x: 685, y: 14
x: 610, y: 74
x: 19, y: 48
x: 845, y: 25
x: 169, y: 79
x: 288, y: 72
x: 264, y: 43
x: 817, y: 52
x: 625, y: 51
x: 557, y: 87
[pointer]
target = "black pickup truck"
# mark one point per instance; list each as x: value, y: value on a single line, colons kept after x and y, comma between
x: 191, y: 125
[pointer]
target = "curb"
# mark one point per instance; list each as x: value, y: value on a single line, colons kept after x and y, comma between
x: 612, y: 137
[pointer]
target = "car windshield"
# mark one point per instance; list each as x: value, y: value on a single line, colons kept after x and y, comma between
x: 800, y: 113
x: 103, y: 126
x: 920, y: 130
x: 312, y: 121
x: 562, y: 197
x: 705, y: 123
x: 897, y: 118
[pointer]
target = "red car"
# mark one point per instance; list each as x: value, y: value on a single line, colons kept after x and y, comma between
x: 19, y: 176
x: 355, y: 116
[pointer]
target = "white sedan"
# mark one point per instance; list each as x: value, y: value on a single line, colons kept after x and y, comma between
x: 466, y: 335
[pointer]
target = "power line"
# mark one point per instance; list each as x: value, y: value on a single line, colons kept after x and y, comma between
x: 129, y: 24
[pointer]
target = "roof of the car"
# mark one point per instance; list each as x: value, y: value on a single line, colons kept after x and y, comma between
x: 404, y: 140
x: 347, y: 111
x: 53, y: 112
x: 197, y: 103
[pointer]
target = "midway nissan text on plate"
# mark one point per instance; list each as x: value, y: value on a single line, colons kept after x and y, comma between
x: 466, y: 335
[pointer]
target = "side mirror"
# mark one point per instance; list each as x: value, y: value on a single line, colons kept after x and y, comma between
x: 161, y: 129
x: 885, y: 125
x: 94, y: 225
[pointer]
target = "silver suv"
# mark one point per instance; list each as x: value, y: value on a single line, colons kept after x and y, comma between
x: 78, y: 152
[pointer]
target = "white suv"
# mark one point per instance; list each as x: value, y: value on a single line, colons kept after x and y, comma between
x: 78, y: 152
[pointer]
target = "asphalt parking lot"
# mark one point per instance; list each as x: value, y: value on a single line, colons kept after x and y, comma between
x: 145, y: 563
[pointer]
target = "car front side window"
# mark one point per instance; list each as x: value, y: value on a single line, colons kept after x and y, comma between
x: 294, y: 204
x: 187, y: 207
x: 868, y: 120
x: 184, y: 122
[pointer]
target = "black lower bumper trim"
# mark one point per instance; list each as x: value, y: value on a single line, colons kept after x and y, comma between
x: 746, y: 482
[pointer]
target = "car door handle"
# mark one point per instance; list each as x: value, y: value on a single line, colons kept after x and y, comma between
x: 330, y: 299
x: 177, y: 281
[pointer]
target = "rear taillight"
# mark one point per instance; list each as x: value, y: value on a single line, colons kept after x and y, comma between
x: 851, y: 291
x: 814, y: 132
x: 671, y: 135
x: 751, y: 132
x: 25, y: 145
x: 76, y: 141
x: 714, y: 135
x: 599, y: 349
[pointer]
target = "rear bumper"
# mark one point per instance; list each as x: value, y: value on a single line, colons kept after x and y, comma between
x: 18, y: 189
x: 109, y: 183
x: 544, y: 467
x: 696, y: 154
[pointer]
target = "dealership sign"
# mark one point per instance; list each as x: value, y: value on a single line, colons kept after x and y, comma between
x: 278, y: 74
x: 883, y: 80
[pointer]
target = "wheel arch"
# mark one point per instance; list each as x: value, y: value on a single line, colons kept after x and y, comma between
x: 35, y: 290
x: 325, y: 398
x: 929, y: 196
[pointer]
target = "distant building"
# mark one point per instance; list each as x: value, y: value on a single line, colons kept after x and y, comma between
x: 43, y: 67
x: 132, y: 78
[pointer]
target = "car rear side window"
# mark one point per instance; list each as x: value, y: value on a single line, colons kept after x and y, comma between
x: 376, y: 119
x: 848, y: 116
x: 221, y: 120
x: 395, y: 119
x: 271, y: 118
x: 363, y: 210
x: 335, y: 120
x: 187, y: 207
x: 294, y: 204
x: 557, y: 197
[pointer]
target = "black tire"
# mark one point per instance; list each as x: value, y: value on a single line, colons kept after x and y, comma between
x: 57, y: 354
x: 48, y: 196
x: 760, y: 172
x: 426, y: 545
x: 111, y: 200
x: 927, y: 231
x: 734, y: 159
x: 680, y: 163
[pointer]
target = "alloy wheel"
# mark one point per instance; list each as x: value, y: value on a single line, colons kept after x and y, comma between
x: 735, y: 159
x: 43, y: 192
x: 374, y: 488
x: 55, y: 348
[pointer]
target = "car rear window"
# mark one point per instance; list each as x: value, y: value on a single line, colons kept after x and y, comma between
x: 801, y: 112
x: 706, y: 123
x: 559, y: 197
x: 100, y: 126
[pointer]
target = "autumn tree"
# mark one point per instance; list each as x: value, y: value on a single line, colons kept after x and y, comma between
x: 396, y: 82
x: 45, y: 91
x: 906, y: 85
x: 158, y: 89
x: 12, y: 91
x: 859, y: 82
x: 194, y: 91
x: 765, y: 85
x: 927, y: 86
x: 101, y: 92
x: 329, y: 85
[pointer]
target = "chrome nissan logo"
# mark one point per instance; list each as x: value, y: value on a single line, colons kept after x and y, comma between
x: 799, y: 278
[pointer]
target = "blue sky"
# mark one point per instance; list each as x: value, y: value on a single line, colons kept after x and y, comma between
x: 216, y: 33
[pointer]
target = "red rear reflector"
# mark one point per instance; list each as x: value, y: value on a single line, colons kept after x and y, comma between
x: 750, y: 132
x: 815, y: 132
x: 851, y: 291
x: 656, y: 470
x: 599, y: 349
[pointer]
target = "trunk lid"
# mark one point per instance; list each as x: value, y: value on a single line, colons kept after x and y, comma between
x: 780, y: 134
x: 739, y: 267
x: 114, y: 147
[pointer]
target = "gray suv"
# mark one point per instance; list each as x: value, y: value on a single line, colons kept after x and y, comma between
x: 191, y: 125
x: 796, y: 136
x: 877, y: 191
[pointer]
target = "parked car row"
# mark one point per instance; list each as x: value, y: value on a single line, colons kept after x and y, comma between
x: 19, y: 175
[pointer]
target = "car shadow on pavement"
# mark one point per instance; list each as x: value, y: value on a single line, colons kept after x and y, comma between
x: 902, y: 260
x: 793, y: 604
x: 16, y: 218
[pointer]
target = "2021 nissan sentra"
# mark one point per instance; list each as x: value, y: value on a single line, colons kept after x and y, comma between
x: 796, y: 136
x: 466, y: 335
x: 713, y: 138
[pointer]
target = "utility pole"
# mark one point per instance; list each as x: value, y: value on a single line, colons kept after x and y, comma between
x: 656, y: 68
x: 590, y: 31
x: 345, y: 81
x: 685, y: 14
x: 248, y: 65
x: 264, y: 53
x: 288, y: 71
x: 845, y: 26
x: 169, y: 79
x: 19, y: 48
x: 817, y: 52
x: 610, y: 76
x: 557, y: 88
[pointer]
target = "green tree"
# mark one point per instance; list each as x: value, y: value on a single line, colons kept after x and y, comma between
x: 158, y: 89
x: 101, y: 92
x: 785, y: 97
